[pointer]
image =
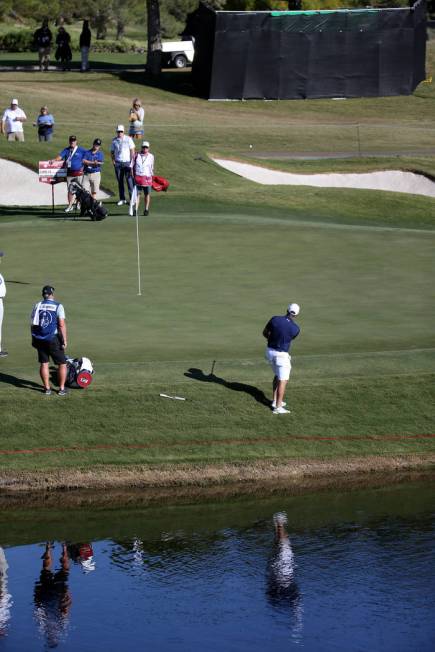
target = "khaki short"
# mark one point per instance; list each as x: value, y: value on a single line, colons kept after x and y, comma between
x: 92, y: 182
x: 16, y: 135
x: 79, y: 179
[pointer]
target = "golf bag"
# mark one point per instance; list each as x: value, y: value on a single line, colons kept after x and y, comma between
x: 79, y: 372
x: 88, y: 205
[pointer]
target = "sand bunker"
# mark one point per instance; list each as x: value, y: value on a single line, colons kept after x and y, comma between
x: 392, y: 180
x: 20, y: 187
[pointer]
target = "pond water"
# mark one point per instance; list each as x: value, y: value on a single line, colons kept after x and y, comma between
x: 350, y: 570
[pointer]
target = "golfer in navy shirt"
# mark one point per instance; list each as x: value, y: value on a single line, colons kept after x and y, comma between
x: 279, y: 332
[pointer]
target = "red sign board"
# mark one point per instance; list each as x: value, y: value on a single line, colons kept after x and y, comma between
x: 52, y: 171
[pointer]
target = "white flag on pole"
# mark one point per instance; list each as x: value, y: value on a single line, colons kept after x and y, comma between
x: 133, y: 201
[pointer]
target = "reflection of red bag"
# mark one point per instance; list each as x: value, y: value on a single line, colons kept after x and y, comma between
x: 160, y: 183
x: 85, y: 550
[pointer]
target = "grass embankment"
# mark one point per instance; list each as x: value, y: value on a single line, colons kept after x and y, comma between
x: 219, y: 256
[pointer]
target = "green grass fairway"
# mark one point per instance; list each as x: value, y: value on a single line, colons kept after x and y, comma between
x: 220, y: 255
x: 363, y: 366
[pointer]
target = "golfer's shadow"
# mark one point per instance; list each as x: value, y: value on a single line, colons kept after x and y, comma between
x: 22, y: 383
x: 257, y: 394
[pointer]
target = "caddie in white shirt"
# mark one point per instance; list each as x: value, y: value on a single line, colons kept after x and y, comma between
x: 3, y: 353
x: 122, y: 152
x: 12, y: 122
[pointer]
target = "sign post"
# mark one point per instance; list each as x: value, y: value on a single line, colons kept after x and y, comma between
x: 52, y: 172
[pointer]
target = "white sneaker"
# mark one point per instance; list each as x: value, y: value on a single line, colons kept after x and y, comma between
x: 280, y: 410
x: 68, y: 209
x: 121, y: 202
x: 273, y: 404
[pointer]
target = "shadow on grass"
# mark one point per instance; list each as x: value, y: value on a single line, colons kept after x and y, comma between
x: 173, y: 81
x: 42, y: 212
x: 257, y: 394
x: 22, y: 383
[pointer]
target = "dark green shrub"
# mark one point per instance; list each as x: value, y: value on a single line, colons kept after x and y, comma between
x: 17, y: 41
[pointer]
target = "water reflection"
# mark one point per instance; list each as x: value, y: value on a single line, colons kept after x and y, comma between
x: 282, y: 590
x: 83, y: 555
x: 5, y: 596
x: 52, y: 596
x: 228, y: 577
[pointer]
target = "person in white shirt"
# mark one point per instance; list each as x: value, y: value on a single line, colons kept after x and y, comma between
x: 122, y: 152
x: 143, y: 171
x: 3, y: 354
x: 12, y: 122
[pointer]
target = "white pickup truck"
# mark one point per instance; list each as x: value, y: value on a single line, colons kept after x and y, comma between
x: 178, y: 54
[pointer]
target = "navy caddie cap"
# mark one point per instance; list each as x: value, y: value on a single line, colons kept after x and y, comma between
x: 47, y: 290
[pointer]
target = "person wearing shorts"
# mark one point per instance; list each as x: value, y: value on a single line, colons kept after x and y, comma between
x: 279, y: 332
x: 42, y: 39
x: 143, y: 170
x: 93, y: 160
x: 49, y: 338
x: 12, y: 122
x: 73, y: 161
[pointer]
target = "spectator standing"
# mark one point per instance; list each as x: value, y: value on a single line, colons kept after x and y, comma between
x: 43, y: 39
x: 12, y: 122
x: 85, y: 45
x: 3, y: 353
x: 73, y: 159
x: 93, y: 159
x: 63, y: 50
x: 122, y: 152
x: 143, y: 170
x: 136, y: 117
x: 279, y: 332
x: 45, y: 124
x: 49, y: 338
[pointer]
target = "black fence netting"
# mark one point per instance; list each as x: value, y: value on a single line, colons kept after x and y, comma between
x: 314, y: 54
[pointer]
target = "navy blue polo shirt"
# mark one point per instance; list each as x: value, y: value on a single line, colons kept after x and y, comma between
x: 282, y: 330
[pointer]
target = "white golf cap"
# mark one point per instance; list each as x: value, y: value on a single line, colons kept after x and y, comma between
x: 293, y: 309
x: 120, y: 128
x: 14, y: 101
x: 145, y: 143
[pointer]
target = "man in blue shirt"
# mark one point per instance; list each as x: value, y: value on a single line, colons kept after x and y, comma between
x: 279, y: 332
x: 49, y: 338
x: 93, y: 160
x: 73, y: 158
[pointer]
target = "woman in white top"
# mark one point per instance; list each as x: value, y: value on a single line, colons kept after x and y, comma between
x: 143, y: 171
x: 136, y: 117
